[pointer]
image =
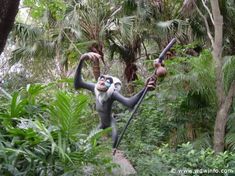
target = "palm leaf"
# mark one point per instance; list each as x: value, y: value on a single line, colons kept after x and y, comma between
x: 126, y: 27
x: 66, y: 112
x: 228, y: 71
x: 203, y: 141
x: 17, y: 106
x: 27, y: 33
x: 38, y: 49
x: 176, y: 27
x: 198, y: 79
x: 230, y: 136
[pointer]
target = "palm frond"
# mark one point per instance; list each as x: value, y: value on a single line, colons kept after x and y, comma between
x: 95, y: 18
x: 126, y: 28
x: 66, y: 113
x: 16, y: 106
x: 228, y: 71
x: 27, y: 33
x: 199, y: 79
x: 32, y: 42
x: 203, y: 141
x: 175, y: 27
x: 38, y: 50
x: 230, y: 135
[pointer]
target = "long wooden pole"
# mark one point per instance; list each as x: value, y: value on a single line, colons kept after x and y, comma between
x: 161, y: 58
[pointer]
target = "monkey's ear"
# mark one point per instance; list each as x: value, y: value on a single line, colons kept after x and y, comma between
x: 118, y: 86
x: 116, y: 83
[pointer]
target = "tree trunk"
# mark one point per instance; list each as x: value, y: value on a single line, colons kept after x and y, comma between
x: 224, y: 101
x: 96, y: 68
x: 219, y: 130
x: 221, y: 119
x: 8, y: 11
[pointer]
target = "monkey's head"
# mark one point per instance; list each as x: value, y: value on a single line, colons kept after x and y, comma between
x: 105, y: 86
x: 104, y: 83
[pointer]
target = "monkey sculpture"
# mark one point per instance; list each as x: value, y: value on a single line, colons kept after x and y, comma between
x: 106, y: 91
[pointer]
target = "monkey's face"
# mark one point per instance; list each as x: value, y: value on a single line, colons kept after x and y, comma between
x: 104, y: 82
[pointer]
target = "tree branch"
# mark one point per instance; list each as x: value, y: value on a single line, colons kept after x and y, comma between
x: 145, y: 50
x: 206, y: 23
x: 208, y: 11
x: 76, y: 48
x: 218, y: 29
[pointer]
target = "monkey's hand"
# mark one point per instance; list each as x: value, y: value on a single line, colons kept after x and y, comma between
x: 151, y: 83
x: 160, y: 69
x: 90, y: 56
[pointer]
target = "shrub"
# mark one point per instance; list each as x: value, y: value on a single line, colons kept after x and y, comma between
x: 186, y: 160
x: 41, y: 133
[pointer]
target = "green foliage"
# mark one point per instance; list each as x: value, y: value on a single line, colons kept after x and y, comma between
x: 182, y: 109
x: 95, y: 18
x: 228, y: 12
x: 65, y: 111
x: 194, y: 76
x: 14, y: 81
x: 230, y: 130
x: 186, y: 158
x: 190, y: 88
x: 44, y: 131
x: 43, y: 135
x: 228, y: 71
x: 34, y: 52
x: 39, y: 8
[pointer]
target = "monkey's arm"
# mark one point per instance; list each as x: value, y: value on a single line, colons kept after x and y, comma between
x: 130, y: 101
x: 78, y: 82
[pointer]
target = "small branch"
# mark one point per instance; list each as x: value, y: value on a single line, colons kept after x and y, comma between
x: 72, y: 42
x: 206, y: 23
x: 149, y: 54
x: 116, y: 11
x: 69, y: 72
x: 208, y: 11
x: 145, y: 50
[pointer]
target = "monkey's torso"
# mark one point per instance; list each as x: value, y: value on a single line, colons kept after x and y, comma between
x: 105, y: 112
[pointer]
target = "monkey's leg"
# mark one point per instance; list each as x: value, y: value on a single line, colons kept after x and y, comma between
x: 114, y: 132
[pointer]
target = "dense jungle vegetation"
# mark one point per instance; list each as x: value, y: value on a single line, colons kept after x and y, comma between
x: 186, y: 126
